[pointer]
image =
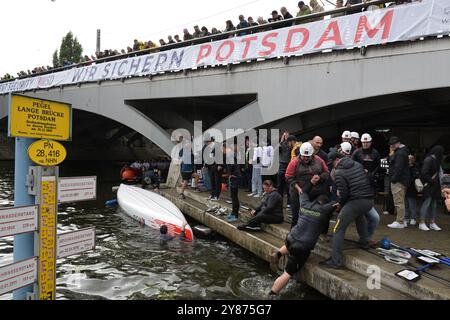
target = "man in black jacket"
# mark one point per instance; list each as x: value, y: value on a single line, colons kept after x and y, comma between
x: 234, y: 175
x: 286, y: 144
x: 355, y: 197
x: 269, y: 212
x: 400, y: 179
x: 302, y: 238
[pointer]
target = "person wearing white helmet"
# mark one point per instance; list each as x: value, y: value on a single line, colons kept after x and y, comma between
x: 370, y: 158
x: 355, y: 140
x: 306, y: 171
x: 346, y: 149
x: 346, y: 136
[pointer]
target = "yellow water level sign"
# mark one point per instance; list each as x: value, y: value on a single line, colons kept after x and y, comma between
x: 47, y: 153
x: 39, y: 119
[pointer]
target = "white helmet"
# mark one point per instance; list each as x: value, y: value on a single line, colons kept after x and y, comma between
x: 355, y: 135
x: 366, y: 138
x: 307, y: 150
x: 347, y: 135
x: 346, y: 148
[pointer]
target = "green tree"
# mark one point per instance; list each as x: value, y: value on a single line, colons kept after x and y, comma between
x: 55, y: 59
x: 70, y: 50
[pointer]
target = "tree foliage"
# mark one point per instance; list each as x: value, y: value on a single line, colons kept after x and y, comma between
x: 55, y: 59
x: 70, y: 51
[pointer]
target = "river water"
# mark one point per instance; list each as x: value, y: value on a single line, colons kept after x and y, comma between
x: 130, y: 263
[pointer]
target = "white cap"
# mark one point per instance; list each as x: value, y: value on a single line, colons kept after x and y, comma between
x: 346, y: 148
x: 307, y: 150
x: 347, y: 135
x: 355, y: 135
x: 366, y: 138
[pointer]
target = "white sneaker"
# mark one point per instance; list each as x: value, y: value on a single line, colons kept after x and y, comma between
x: 405, y: 223
x: 423, y: 227
x: 413, y: 222
x: 250, y: 195
x: 435, y: 227
x: 256, y: 196
x: 386, y: 212
x: 396, y: 225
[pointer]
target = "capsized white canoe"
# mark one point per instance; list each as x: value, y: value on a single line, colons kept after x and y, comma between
x: 152, y: 209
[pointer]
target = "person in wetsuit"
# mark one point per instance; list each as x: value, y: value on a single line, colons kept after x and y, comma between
x: 315, y: 215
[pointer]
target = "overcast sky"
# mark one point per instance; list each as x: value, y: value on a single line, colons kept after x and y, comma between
x: 33, y: 29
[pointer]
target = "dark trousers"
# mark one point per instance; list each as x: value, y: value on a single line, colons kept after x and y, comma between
x: 216, y: 181
x: 354, y: 210
x: 282, y: 185
x: 248, y: 177
x: 235, y: 200
x: 295, y: 205
x: 298, y: 255
x: 264, y: 218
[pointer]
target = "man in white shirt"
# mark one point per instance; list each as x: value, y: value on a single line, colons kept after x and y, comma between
x: 137, y: 165
x: 256, y: 173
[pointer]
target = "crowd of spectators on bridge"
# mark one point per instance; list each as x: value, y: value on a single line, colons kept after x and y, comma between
x: 303, y: 9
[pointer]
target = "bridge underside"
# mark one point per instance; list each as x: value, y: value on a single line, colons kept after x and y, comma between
x: 420, y: 118
x: 175, y: 113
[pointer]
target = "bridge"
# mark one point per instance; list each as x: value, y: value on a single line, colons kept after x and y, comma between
x: 402, y: 86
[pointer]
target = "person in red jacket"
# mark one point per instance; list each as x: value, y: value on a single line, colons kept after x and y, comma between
x: 306, y: 171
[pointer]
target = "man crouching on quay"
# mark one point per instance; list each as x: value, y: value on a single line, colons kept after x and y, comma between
x: 303, y: 237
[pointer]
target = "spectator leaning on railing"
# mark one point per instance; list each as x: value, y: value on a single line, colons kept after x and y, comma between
x: 261, y: 20
x: 316, y: 8
x: 242, y: 25
x: 339, y: 4
x: 229, y: 26
x: 215, y: 31
x: 197, y: 32
x: 275, y: 17
x: 251, y: 22
x: 205, y: 32
x: 186, y: 35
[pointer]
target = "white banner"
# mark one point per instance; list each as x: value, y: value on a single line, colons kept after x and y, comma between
x: 18, y: 275
x: 75, y: 242
x: 399, y: 23
x: 77, y: 189
x: 18, y: 220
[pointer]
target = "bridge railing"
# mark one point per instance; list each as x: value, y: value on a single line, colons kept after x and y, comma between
x: 215, y: 37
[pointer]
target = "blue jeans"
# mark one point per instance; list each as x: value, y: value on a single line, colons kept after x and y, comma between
x: 206, y: 179
x: 373, y: 219
x: 257, y: 181
x: 411, y: 208
x: 428, y: 202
